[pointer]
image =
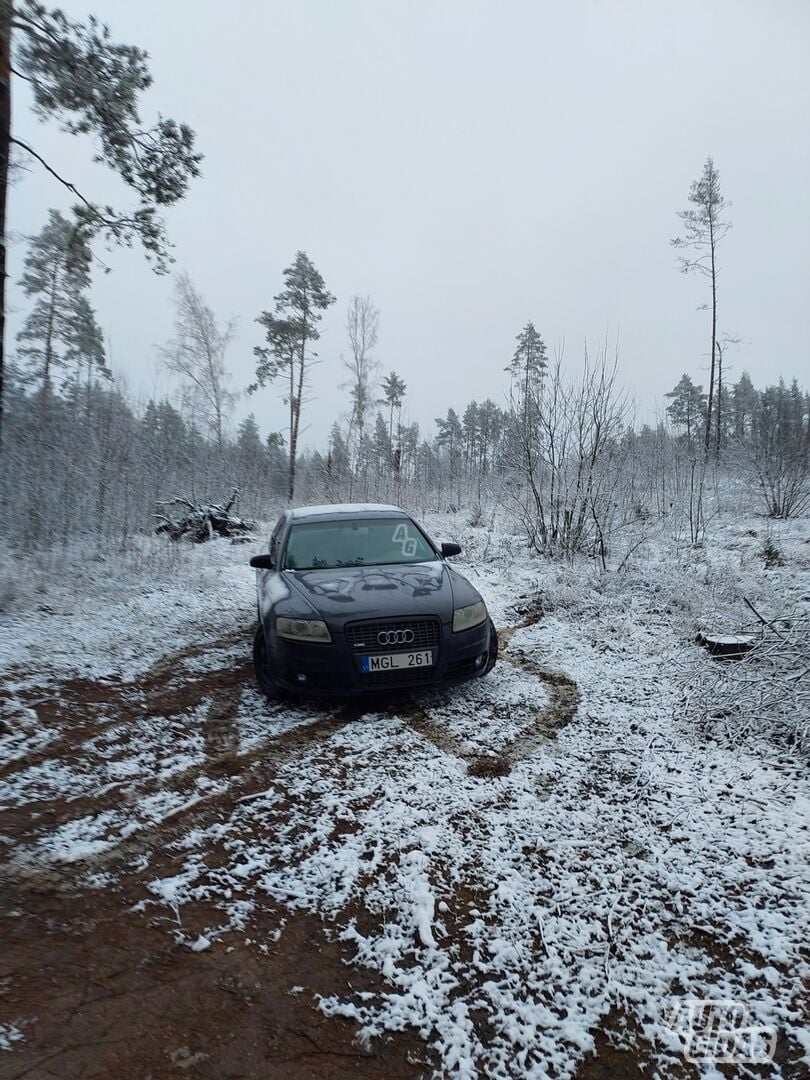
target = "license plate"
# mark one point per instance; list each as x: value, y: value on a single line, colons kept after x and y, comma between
x: 387, y: 661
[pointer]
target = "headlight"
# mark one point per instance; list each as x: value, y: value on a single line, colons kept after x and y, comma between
x: 303, y: 630
x: 465, y: 618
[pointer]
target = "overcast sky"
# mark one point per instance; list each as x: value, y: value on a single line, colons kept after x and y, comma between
x: 471, y: 165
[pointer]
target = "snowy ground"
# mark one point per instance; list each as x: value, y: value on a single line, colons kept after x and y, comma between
x: 536, y: 867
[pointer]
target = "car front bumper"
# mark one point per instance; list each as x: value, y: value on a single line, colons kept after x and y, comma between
x: 334, y: 669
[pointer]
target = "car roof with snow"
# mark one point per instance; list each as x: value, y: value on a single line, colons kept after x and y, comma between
x: 335, y: 511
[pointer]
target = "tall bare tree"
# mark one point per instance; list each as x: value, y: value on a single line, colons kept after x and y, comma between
x: 196, y: 354
x: 362, y: 328
x: 704, y: 228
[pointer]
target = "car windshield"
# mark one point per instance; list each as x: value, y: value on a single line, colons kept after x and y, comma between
x: 327, y: 544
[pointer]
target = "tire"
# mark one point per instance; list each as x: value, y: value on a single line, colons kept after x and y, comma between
x: 260, y: 666
x: 492, y: 659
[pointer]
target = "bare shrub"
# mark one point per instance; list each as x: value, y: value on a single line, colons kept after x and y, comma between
x: 570, y: 452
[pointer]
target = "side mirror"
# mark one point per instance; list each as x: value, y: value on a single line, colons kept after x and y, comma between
x: 263, y: 562
x: 450, y: 549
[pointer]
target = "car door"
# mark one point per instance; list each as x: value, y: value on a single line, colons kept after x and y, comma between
x: 275, y: 538
x: 274, y: 548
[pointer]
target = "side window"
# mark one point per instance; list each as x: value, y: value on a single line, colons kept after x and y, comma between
x: 274, y: 539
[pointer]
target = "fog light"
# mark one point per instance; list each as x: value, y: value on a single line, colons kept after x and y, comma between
x: 480, y: 660
x: 301, y: 677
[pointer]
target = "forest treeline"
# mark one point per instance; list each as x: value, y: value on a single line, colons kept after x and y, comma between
x: 556, y: 451
x: 560, y: 455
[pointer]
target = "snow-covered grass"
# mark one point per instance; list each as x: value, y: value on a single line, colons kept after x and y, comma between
x: 81, y: 613
x: 632, y: 859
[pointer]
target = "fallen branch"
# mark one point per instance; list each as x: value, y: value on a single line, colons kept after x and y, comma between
x: 762, y: 618
x: 203, y: 522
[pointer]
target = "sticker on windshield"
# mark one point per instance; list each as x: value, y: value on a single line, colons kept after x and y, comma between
x: 406, y: 542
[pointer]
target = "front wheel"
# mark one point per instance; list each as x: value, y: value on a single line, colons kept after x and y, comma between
x: 492, y: 658
x: 260, y: 664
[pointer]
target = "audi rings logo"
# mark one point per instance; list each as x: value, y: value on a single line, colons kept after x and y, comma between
x: 395, y: 637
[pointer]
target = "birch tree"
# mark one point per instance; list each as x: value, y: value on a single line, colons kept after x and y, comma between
x: 196, y: 354
x: 362, y: 327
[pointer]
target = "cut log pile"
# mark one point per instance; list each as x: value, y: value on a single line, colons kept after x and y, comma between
x: 203, y: 521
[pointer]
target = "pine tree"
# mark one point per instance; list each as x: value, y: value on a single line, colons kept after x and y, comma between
x: 450, y: 432
x: 276, y: 462
x: 704, y: 228
x: 382, y: 450
x: 337, y: 463
x: 450, y: 438
x: 290, y: 330
x: 409, y: 447
x: 394, y: 390
x: 61, y: 328
x: 688, y: 406
x: 491, y: 423
x: 87, y: 347
x: 527, y: 366
x: 471, y: 434
x: 743, y: 405
x: 92, y: 86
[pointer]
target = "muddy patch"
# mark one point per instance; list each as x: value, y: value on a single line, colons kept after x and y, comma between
x: 542, y: 724
x: 98, y: 995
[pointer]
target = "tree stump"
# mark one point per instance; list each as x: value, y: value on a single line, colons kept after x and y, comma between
x: 726, y: 646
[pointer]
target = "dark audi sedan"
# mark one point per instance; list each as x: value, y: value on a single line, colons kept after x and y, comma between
x: 358, y: 598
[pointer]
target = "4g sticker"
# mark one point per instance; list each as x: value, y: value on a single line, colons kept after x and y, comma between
x: 406, y: 542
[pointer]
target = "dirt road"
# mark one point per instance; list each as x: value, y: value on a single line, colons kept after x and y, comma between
x: 96, y: 982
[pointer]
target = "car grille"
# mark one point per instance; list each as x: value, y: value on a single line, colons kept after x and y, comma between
x: 362, y: 637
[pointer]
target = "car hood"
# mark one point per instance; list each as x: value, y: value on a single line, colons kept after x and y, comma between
x: 347, y: 594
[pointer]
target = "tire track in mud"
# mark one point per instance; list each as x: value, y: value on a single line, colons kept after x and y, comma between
x: 119, y: 710
x: 561, y: 708
x: 245, y: 774
x: 229, y: 774
x: 78, y: 707
x: 156, y: 694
